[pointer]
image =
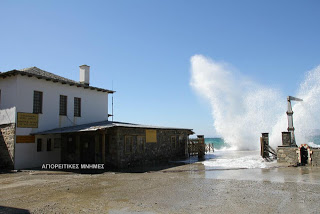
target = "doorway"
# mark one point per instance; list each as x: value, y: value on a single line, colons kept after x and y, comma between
x: 87, y: 148
x: 304, y: 155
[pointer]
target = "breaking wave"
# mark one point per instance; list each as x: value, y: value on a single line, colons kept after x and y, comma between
x: 243, y: 109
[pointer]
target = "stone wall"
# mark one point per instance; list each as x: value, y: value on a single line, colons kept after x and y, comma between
x: 161, y: 151
x: 111, y: 153
x: 290, y: 155
x: 171, y: 145
x: 7, y: 135
x: 315, y: 157
x: 287, y: 155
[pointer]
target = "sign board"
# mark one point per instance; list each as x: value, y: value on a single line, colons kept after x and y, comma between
x: 27, y: 120
x: 151, y: 136
x: 25, y: 139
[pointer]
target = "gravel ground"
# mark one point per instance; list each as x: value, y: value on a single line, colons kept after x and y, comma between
x: 183, y: 189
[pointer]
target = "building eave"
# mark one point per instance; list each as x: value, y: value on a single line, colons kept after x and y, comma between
x: 103, y: 125
x: 64, y: 82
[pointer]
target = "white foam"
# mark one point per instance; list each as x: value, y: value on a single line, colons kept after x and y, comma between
x: 225, y: 148
x: 236, y: 160
x: 311, y: 144
x: 242, y: 109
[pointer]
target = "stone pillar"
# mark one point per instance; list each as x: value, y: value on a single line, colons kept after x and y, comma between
x: 264, y: 145
x: 201, y: 146
x: 7, y: 138
x: 286, y: 138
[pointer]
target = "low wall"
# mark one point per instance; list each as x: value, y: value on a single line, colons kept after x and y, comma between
x: 291, y: 155
x: 287, y: 155
x: 7, y: 134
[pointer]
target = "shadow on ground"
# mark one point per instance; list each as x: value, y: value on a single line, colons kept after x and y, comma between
x: 130, y: 169
x: 4, y: 210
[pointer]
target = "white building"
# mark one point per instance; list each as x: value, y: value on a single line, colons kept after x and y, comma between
x: 36, y: 100
x: 48, y: 119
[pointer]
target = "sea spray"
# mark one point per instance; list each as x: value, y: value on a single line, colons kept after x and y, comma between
x: 236, y: 160
x: 242, y: 109
x: 306, y: 114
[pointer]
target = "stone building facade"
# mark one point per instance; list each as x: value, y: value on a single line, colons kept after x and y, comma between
x: 7, y: 138
x: 315, y: 157
x: 121, y: 145
x: 170, y: 144
x: 287, y: 155
x: 299, y: 155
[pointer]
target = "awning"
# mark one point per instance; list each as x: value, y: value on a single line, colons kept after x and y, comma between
x: 89, y: 127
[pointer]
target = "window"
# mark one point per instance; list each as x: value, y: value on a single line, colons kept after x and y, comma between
x: 49, y: 147
x: 39, y: 145
x: 141, y: 140
x: 56, y: 143
x: 181, y: 141
x: 173, y: 141
x: 37, y: 102
x: 71, y: 145
x: 128, y: 144
x: 77, y: 107
x: 63, y: 105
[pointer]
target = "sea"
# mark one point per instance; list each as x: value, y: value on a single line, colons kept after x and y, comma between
x: 227, y: 157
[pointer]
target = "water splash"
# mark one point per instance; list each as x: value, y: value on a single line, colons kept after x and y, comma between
x: 236, y: 160
x: 242, y: 109
x: 306, y: 114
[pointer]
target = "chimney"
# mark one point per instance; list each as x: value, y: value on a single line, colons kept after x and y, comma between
x: 84, y: 74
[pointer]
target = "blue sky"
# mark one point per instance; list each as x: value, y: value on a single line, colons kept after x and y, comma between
x: 144, y: 48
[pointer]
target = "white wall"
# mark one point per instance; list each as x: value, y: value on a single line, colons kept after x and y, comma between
x: 8, y: 116
x: 8, y: 87
x: 94, y: 104
x: 18, y: 91
x: 26, y: 155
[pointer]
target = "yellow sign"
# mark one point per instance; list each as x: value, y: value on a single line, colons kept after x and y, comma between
x: 27, y: 120
x: 151, y: 136
x: 25, y: 139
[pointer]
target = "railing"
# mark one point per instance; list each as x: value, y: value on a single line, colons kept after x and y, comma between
x: 209, y: 147
x: 197, y: 147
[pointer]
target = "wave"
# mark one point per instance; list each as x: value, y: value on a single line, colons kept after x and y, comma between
x: 237, y: 160
x: 243, y: 109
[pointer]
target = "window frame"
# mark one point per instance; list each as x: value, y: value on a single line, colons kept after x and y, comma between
x: 181, y: 141
x: 56, y: 143
x: 37, y: 104
x: 139, y: 148
x: 126, y: 144
x: 174, y: 141
x: 49, y: 144
x: 63, y: 105
x: 39, y: 145
x: 77, y: 107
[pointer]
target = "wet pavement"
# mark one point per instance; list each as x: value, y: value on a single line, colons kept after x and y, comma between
x: 188, y: 188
